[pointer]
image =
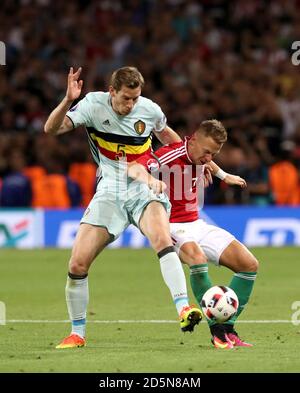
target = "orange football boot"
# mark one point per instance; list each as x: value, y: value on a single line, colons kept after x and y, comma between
x: 72, y: 341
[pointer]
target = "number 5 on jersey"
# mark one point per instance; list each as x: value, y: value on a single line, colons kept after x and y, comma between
x: 121, y: 154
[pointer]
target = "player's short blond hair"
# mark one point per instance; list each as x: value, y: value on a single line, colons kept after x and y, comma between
x: 215, y: 129
x: 127, y: 76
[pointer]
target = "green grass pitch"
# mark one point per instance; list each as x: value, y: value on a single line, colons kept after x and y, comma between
x: 126, y: 285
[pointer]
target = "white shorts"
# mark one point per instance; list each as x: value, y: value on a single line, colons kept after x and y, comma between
x: 115, y: 212
x: 213, y: 240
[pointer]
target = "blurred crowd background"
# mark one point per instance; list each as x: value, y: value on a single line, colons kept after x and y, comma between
x: 229, y: 60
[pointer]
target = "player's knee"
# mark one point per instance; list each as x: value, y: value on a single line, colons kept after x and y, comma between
x: 159, y: 241
x: 254, y: 264
x: 191, y: 254
x: 250, y: 265
x: 195, y: 258
x: 77, y: 266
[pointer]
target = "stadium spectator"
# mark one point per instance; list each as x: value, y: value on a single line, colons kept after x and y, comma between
x: 284, y: 181
x: 51, y: 187
x: 15, y: 189
x: 257, y: 176
x: 216, y: 59
x: 84, y: 174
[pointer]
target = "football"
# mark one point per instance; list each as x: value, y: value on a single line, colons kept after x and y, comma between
x: 219, y: 303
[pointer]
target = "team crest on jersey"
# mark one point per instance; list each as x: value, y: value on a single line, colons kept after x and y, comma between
x: 139, y: 127
x: 152, y: 165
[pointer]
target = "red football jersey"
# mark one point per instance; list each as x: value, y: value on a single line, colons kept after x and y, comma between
x: 173, y: 166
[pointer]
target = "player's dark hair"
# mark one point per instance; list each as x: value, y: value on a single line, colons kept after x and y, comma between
x: 215, y: 129
x: 127, y: 76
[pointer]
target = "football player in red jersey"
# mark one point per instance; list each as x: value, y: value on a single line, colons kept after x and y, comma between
x: 182, y: 168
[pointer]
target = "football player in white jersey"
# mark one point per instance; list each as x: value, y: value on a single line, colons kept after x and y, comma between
x: 119, y: 124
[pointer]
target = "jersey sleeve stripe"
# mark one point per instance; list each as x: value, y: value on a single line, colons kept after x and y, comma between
x: 172, y: 152
x: 172, y: 156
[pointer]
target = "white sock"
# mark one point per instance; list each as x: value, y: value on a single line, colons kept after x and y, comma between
x: 77, y: 297
x: 173, y: 274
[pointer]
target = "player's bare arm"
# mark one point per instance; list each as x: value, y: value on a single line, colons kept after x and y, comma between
x: 231, y: 180
x: 138, y: 172
x: 58, y: 123
x: 167, y: 136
